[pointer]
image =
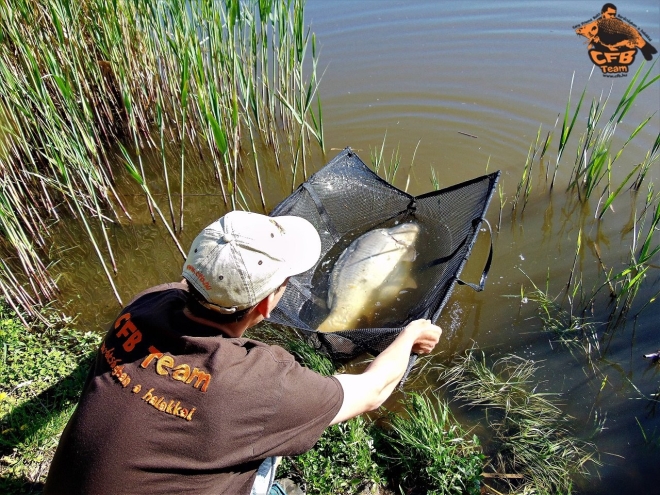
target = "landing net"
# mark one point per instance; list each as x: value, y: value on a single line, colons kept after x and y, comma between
x: 346, y: 199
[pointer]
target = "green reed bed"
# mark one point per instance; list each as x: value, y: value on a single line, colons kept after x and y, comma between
x: 591, y: 175
x: 595, y: 157
x: 585, y: 319
x: 219, y: 78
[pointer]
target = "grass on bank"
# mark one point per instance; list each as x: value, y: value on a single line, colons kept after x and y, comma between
x: 427, y: 450
x: 343, y: 461
x: 42, y: 370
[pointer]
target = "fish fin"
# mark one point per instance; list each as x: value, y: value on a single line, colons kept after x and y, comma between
x: 409, y: 283
x: 410, y: 255
x: 326, y: 326
x: 335, y: 323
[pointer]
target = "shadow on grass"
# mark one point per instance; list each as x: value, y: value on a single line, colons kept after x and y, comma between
x: 30, y: 432
x: 23, y: 486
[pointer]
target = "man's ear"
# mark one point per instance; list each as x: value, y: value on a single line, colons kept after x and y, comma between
x: 266, y: 305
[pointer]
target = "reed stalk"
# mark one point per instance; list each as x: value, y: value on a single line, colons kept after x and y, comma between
x: 92, y: 239
x: 525, y: 184
x: 566, y: 129
x: 78, y: 78
x: 503, y: 199
x: 434, y: 180
x: 652, y: 156
x: 389, y: 169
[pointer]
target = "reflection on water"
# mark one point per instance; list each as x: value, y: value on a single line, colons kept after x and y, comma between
x: 428, y: 75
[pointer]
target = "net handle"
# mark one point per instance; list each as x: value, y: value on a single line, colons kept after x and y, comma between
x: 484, y: 275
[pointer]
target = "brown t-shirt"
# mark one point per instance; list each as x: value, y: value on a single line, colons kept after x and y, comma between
x: 171, y: 407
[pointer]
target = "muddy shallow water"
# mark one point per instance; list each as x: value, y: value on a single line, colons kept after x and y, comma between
x: 463, y: 88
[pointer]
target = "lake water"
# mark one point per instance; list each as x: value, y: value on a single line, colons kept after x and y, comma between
x: 463, y: 88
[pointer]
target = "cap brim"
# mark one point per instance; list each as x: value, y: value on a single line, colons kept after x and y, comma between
x: 305, y: 247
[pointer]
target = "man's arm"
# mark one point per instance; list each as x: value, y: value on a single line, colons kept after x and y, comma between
x: 368, y: 390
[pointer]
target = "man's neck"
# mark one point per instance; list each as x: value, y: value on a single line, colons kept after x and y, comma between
x: 233, y: 330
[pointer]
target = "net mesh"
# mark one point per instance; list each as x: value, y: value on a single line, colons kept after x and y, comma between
x: 344, y: 200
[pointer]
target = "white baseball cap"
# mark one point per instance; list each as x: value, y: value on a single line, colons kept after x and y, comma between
x: 241, y: 258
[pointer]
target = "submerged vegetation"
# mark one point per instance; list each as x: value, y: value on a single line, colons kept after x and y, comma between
x: 226, y: 77
x: 532, y: 446
x: 578, y: 332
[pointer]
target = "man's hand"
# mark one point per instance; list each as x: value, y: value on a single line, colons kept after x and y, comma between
x: 427, y: 338
x: 368, y: 390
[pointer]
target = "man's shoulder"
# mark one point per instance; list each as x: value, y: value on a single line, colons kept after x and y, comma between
x: 275, y: 352
x: 275, y: 361
x: 177, y: 287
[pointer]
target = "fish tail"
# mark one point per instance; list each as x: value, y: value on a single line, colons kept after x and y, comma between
x: 648, y: 50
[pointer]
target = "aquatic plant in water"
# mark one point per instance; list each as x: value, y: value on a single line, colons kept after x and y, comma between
x: 592, y: 170
x: 625, y: 284
x: 594, y: 155
x: 532, y: 447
